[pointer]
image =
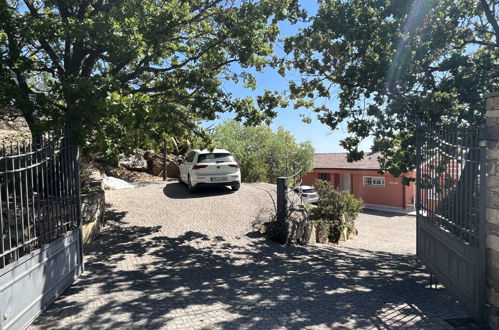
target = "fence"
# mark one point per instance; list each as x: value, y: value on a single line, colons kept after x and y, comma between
x: 39, y: 193
x: 451, y: 201
x: 449, y: 179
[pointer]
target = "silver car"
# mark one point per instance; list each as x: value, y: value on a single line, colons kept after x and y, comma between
x: 308, y: 194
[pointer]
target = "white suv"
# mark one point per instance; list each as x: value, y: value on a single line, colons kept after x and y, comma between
x: 204, y: 167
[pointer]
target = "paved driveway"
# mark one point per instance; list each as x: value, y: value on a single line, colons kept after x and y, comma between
x: 172, y: 260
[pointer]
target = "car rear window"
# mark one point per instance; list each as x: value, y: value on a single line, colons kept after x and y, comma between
x: 217, y: 157
x: 308, y: 191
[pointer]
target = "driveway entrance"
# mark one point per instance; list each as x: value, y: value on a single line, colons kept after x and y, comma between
x: 172, y: 260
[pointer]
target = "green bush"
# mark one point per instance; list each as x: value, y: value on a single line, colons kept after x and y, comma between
x: 335, y: 204
x: 323, y: 228
x: 334, y: 209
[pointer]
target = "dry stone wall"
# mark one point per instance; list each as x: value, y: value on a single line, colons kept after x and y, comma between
x: 93, y: 204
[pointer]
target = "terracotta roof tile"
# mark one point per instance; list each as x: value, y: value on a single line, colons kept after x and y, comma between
x: 339, y: 161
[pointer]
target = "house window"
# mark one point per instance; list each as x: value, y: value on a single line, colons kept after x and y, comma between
x: 374, y: 181
x: 325, y: 176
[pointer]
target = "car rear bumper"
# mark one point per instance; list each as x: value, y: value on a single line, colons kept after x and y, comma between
x: 216, y: 184
x: 312, y: 200
x: 216, y: 180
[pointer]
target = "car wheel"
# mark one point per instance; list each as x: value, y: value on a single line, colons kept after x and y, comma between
x: 235, y: 187
x: 191, y: 188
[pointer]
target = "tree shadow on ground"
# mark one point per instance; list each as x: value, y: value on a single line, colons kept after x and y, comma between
x: 179, y: 191
x: 137, y: 277
x: 382, y: 213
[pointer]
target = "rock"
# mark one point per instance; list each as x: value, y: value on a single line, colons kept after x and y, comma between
x: 13, y: 129
x: 297, y: 226
x: 351, y: 229
x: 275, y: 231
x: 310, y: 234
x: 172, y: 170
x: 148, y: 154
x: 323, y: 230
x: 134, y: 162
x: 155, y: 165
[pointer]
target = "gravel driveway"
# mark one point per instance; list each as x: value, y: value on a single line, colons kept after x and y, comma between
x: 170, y: 259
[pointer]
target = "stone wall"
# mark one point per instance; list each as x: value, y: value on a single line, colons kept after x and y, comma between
x: 492, y: 244
x: 93, y: 205
x: 13, y: 130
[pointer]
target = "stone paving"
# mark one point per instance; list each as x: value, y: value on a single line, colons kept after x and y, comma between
x: 172, y: 260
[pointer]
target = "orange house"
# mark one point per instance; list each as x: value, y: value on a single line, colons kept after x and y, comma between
x: 362, y: 179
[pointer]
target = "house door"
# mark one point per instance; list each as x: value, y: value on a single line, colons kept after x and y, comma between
x: 346, y: 182
x: 336, y: 180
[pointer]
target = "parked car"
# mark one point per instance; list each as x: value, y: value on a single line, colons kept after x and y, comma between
x: 208, y: 168
x: 308, y: 194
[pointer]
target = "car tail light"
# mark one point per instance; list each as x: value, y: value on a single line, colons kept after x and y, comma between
x: 234, y: 165
x: 197, y: 167
x: 304, y: 195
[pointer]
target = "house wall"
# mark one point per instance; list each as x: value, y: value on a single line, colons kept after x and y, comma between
x: 392, y: 194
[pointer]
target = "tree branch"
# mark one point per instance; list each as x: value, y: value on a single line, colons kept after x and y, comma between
x: 476, y: 42
x: 45, y: 45
x: 89, y: 63
x: 492, y: 20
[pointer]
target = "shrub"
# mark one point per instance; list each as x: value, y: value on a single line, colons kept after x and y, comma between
x: 334, y: 210
x: 334, y: 204
x: 323, y: 229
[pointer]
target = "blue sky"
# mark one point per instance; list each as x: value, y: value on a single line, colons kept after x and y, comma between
x: 321, y: 136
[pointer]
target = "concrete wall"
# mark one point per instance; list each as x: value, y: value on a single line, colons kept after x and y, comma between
x: 392, y: 194
x: 492, y: 120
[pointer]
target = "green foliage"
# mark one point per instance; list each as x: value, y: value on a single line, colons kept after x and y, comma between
x: 128, y: 72
x: 261, y: 152
x: 335, y: 204
x: 323, y: 228
x: 334, y: 210
x: 387, y: 60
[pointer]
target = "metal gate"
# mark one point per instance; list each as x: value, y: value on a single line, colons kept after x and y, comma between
x: 40, y: 225
x: 451, y: 201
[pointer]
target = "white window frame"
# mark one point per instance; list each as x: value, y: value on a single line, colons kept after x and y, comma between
x: 366, y: 184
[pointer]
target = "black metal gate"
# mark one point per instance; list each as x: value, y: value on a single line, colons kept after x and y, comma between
x: 40, y: 225
x: 451, y: 202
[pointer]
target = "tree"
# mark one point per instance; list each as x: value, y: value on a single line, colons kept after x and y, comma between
x: 111, y: 67
x: 389, y: 60
x: 262, y: 153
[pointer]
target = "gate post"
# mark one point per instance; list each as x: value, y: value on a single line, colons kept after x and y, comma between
x: 282, y: 198
x: 492, y: 211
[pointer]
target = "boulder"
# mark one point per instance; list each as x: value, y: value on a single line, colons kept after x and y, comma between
x: 323, y: 230
x: 351, y: 229
x: 148, y: 154
x: 13, y: 130
x: 297, y: 226
x: 172, y: 170
x: 155, y: 165
x: 275, y: 231
x: 135, y: 162
x: 310, y: 234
